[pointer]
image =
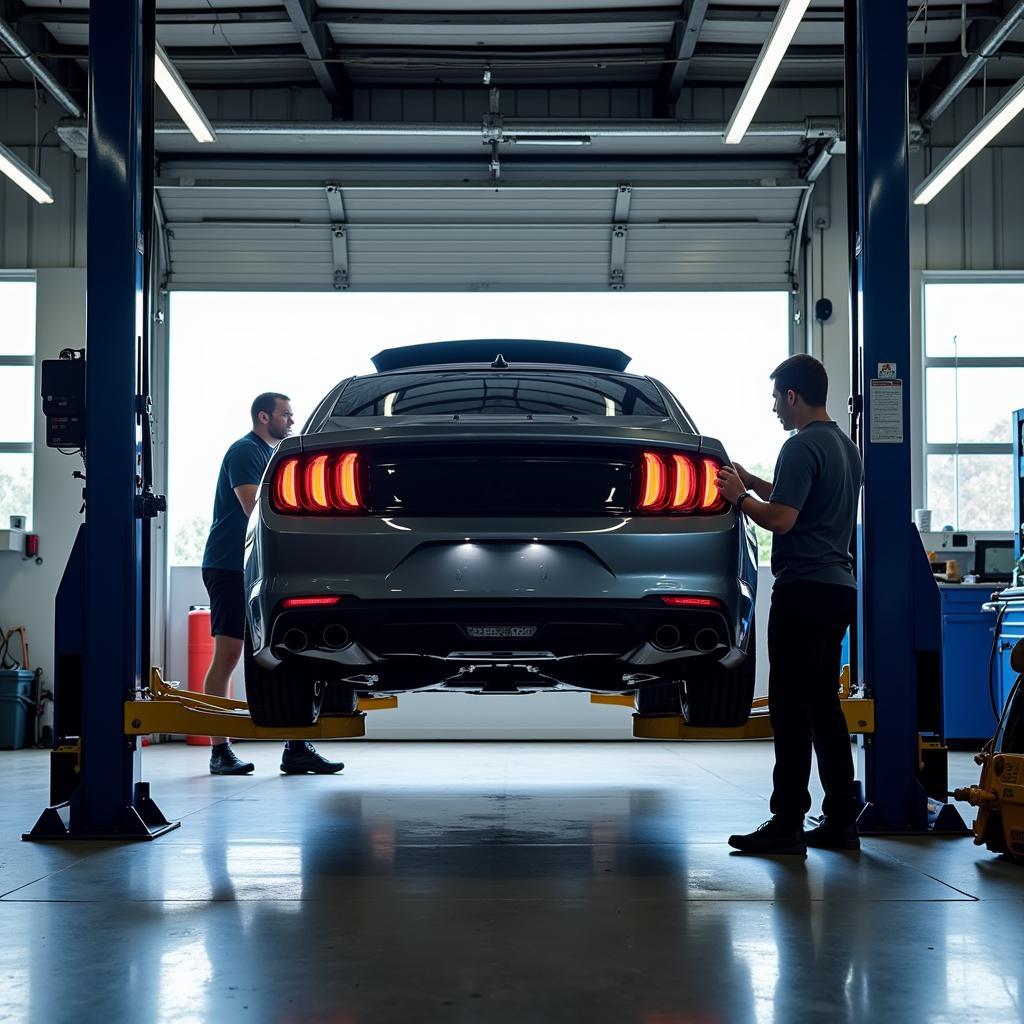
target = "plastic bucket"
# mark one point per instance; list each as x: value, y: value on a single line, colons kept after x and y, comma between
x: 15, y: 707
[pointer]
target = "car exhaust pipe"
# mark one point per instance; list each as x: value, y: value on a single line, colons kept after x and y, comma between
x: 706, y: 640
x: 336, y: 636
x: 668, y: 637
x: 295, y: 640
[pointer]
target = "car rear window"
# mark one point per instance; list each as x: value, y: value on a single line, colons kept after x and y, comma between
x: 489, y: 392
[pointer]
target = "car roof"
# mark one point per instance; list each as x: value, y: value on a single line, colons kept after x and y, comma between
x: 481, y: 353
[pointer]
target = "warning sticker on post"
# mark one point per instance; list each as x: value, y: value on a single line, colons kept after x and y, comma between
x: 886, y: 406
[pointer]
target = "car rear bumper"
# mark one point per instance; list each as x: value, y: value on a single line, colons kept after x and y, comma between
x: 578, y: 601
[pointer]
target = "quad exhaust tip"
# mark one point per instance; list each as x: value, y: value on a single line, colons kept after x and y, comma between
x: 668, y: 637
x: 706, y: 640
x: 295, y: 640
x: 336, y: 636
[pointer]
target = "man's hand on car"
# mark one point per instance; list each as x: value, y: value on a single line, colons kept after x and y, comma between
x: 747, y: 477
x: 730, y: 483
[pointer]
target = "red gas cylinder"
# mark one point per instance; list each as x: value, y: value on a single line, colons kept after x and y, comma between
x: 200, y: 654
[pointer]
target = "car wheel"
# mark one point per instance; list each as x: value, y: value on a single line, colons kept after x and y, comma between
x: 660, y: 699
x: 719, y: 698
x: 278, y: 698
x: 339, y: 699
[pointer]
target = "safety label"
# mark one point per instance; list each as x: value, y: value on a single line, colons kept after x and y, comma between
x: 886, y: 409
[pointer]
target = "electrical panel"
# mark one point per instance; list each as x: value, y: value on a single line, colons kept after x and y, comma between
x: 63, y: 394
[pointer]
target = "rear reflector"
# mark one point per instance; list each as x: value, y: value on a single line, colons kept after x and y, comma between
x: 672, y: 482
x: 310, y: 602
x: 680, y: 601
x: 321, y: 482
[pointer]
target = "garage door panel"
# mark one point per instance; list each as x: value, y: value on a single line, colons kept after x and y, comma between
x: 409, y: 238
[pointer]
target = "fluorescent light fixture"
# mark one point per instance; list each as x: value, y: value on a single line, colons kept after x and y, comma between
x: 976, y: 140
x: 768, y: 61
x: 549, y: 140
x: 173, y: 86
x: 24, y: 177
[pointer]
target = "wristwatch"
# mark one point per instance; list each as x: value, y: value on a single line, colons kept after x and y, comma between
x: 739, y: 500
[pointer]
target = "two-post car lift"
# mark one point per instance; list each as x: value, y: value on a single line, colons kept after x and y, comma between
x: 104, y: 694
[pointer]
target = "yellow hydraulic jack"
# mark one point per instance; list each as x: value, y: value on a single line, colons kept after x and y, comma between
x: 859, y: 712
x: 164, y: 708
x: 999, y: 794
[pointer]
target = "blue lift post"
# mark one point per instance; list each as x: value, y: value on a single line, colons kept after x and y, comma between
x: 896, y: 590
x: 110, y: 801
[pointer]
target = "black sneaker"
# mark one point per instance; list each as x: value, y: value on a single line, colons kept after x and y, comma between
x: 774, y: 836
x: 302, y: 759
x: 826, y: 836
x: 224, y: 761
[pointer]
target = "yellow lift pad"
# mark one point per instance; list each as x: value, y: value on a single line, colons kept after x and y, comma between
x: 859, y: 712
x: 167, y: 709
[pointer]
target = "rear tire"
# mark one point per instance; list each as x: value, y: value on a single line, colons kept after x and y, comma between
x: 277, y: 697
x: 339, y: 699
x: 720, y: 698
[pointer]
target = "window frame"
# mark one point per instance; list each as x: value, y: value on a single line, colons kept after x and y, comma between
x: 963, y: 363
x: 18, y: 447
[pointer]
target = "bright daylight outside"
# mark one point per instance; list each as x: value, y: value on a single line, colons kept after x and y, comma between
x: 713, y: 350
x: 968, y: 406
x: 17, y: 384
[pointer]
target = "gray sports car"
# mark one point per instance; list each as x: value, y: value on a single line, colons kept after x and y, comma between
x: 497, y: 516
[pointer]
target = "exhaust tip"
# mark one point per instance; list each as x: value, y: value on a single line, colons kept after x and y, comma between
x: 668, y: 637
x: 336, y: 636
x: 295, y: 640
x: 706, y: 640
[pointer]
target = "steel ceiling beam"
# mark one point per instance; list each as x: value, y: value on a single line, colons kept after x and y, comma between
x: 993, y: 43
x: 316, y: 44
x: 14, y: 43
x: 685, y: 37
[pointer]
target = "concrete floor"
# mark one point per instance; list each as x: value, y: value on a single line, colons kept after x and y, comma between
x: 470, y: 882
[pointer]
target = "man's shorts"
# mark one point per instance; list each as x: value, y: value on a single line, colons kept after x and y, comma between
x: 227, y: 602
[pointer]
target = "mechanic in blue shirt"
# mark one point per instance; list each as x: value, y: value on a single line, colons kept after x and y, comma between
x: 811, y: 509
x: 237, y: 490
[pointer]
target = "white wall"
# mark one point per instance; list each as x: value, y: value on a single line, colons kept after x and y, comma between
x: 27, y: 590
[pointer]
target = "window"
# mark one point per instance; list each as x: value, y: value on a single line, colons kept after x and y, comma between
x: 17, y: 385
x: 973, y: 380
x: 533, y: 392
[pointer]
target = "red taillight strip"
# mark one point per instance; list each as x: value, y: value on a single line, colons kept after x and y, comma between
x: 286, y: 486
x: 654, y: 482
x: 316, y: 483
x: 346, y: 486
x: 711, y: 499
x: 309, y: 602
x: 315, y: 479
x: 681, y: 601
x: 684, y: 493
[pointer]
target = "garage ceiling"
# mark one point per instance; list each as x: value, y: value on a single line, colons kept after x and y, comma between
x: 581, y: 172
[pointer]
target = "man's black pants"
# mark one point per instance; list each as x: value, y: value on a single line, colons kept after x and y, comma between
x: 805, y: 636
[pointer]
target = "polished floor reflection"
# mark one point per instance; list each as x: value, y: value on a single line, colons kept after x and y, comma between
x: 479, y: 882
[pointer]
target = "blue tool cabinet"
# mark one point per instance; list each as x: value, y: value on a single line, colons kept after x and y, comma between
x: 966, y: 648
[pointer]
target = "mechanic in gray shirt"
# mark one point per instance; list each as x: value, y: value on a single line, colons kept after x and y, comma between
x: 811, y: 509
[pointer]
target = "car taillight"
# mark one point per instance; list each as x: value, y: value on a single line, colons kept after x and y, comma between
x: 684, y: 601
x: 310, y: 602
x: 320, y: 482
x: 672, y: 482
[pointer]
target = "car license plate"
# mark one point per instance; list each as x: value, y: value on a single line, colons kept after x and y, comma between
x: 488, y: 632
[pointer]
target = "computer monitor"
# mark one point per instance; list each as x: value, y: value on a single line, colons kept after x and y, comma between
x: 993, y: 560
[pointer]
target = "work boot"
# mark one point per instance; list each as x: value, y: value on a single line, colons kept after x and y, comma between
x: 300, y: 757
x: 774, y: 836
x: 826, y: 836
x: 224, y: 761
